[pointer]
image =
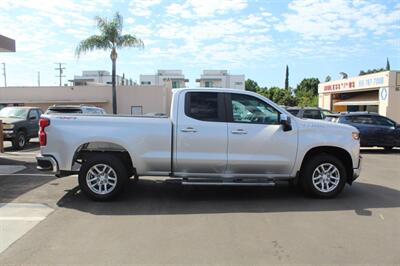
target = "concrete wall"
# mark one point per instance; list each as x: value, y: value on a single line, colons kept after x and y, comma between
x: 393, y: 98
x: 151, y: 98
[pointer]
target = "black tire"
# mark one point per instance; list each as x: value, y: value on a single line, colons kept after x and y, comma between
x: 111, y: 161
x: 19, y: 141
x: 311, y: 166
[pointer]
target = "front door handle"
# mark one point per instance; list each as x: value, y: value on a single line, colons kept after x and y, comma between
x: 189, y: 130
x: 239, y: 131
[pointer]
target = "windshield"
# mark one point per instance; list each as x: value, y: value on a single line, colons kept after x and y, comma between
x: 14, y: 112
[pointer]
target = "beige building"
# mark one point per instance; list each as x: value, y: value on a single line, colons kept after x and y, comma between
x: 6, y: 44
x: 130, y: 99
x: 176, y: 77
x: 220, y: 79
x: 378, y: 92
x: 96, y: 77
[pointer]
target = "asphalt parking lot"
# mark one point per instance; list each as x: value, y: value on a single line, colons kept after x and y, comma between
x: 157, y: 223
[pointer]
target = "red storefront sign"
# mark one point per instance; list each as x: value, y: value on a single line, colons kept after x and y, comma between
x: 340, y: 86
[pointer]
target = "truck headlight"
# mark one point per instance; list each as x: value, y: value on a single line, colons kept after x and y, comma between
x: 355, y: 135
x: 8, y: 126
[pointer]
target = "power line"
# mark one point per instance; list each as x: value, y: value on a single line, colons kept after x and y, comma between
x: 4, y: 74
x: 60, y: 69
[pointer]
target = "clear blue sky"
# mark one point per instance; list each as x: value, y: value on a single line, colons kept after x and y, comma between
x: 255, y: 38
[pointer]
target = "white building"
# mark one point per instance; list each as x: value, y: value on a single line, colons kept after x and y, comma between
x: 221, y: 79
x: 175, y: 76
x: 96, y: 77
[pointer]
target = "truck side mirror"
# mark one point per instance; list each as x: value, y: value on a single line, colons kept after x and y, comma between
x: 285, y: 122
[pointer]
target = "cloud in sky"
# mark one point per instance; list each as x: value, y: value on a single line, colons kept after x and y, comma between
x: 250, y: 37
x: 335, y: 19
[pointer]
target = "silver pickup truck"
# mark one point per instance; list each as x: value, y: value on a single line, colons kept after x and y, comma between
x: 211, y: 137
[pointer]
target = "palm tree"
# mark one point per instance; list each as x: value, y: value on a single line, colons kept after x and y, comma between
x: 110, y: 38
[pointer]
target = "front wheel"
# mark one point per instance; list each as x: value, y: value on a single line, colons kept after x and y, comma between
x: 19, y: 141
x: 323, y: 176
x: 102, y: 177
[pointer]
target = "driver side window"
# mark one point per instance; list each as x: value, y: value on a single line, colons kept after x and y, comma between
x: 249, y: 109
x: 33, y: 115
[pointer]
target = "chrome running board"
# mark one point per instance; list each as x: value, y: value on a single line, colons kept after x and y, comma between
x: 220, y: 182
x: 194, y: 183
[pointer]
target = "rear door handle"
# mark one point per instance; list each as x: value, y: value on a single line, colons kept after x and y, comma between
x: 189, y: 130
x: 239, y: 131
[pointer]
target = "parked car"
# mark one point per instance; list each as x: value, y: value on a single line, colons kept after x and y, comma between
x: 211, y: 137
x: 375, y: 130
x: 20, y: 124
x: 309, y: 112
x: 75, y: 109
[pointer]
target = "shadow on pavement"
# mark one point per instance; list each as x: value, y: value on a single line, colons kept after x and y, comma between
x: 14, y: 185
x: 30, y: 146
x: 149, y: 197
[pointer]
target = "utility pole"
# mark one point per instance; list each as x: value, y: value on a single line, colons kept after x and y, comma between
x: 60, y: 69
x: 38, y: 78
x: 4, y: 74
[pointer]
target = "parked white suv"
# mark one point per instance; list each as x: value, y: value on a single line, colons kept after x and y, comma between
x: 212, y: 137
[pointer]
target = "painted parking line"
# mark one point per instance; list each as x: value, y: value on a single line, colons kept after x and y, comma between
x: 16, y: 219
x: 11, y: 169
x: 21, y: 153
x: 27, y: 174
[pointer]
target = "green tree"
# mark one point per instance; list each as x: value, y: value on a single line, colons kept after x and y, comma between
x: 110, y: 38
x: 278, y: 95
x: 344, y: 75
x: 371, y: 71
x: 251, y: 85
x: 307, y: 92
x: 287, y: 78
x: 328, y: 78
x: 387, y: 64
x: 308, y: 85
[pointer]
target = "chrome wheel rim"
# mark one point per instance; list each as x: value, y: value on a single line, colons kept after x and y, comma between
x: 101, y: 179
x: 21, y: 141
x: 326, y: 177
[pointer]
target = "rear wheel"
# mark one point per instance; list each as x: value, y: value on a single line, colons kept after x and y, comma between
x: 323, y: 176
x: 102, y: 176
x: 19, y: 141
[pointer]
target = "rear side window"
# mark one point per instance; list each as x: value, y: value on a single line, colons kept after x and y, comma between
x: 312, y: 114
x: 204, y: 106
x: 64, y: 110
x: 33, y: 115
x: 382, y: 121
x: 358, y: 119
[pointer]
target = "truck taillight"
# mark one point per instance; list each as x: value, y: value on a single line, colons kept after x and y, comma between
x: 43, y: 123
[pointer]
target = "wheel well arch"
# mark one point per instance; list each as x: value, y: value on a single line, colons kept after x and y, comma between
x: 340, y: 153
x: 89, y: 148
x: 23, y: 129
